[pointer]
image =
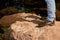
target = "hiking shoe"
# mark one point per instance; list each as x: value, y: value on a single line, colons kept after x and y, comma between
x: 49, y: 23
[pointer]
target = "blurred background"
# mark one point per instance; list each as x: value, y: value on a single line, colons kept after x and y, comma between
x: 20, y: 3
x: 24, y: 6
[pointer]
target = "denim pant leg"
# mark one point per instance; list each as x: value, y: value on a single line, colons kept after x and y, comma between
x: 51, y: 8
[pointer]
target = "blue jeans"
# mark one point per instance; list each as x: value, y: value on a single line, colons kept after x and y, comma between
x: 51, y: 9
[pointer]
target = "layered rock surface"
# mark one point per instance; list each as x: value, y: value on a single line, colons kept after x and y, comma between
x: 28, y: 27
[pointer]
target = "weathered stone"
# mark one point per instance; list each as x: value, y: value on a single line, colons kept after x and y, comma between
x: 30, y: 29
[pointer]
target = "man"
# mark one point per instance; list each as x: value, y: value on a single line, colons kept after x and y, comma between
x: 51, y: 8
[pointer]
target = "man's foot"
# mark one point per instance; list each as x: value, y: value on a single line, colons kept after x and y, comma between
x: 49, y: 23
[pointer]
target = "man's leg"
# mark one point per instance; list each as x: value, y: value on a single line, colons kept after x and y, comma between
x: 51, y: 8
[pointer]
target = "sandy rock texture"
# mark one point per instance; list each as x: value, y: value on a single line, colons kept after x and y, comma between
x: 29, y: 28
